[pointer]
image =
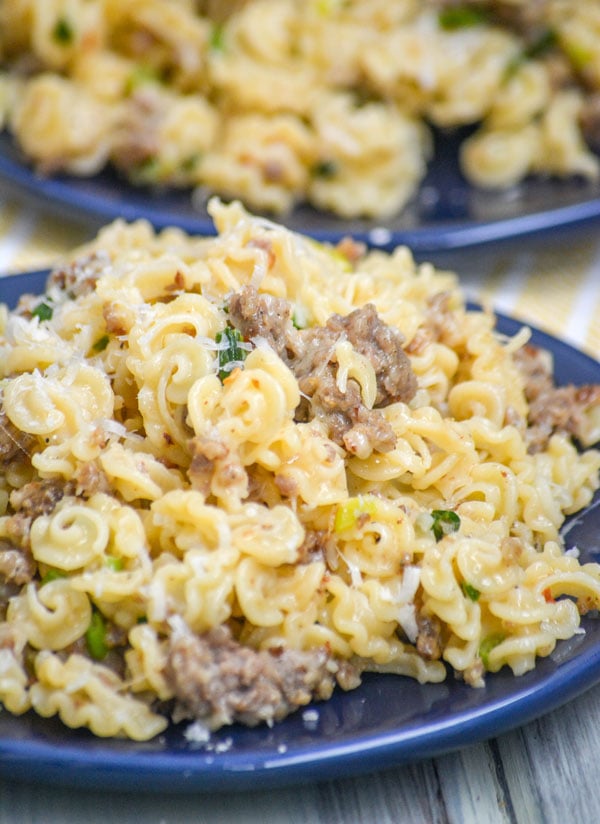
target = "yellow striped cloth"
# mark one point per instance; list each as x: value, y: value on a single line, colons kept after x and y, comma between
x: 32, y: 238
x: 551, y: 281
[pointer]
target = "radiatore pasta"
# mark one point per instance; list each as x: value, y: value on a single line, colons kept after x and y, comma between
x: 278, y: 103
x: 239, y: 471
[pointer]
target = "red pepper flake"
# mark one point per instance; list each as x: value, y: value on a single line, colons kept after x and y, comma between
x: 547, y: 593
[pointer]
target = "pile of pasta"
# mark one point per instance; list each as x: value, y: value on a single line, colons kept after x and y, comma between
x: 282, y: 102
x: 447, y: 535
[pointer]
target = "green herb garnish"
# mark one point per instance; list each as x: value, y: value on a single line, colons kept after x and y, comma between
x: 146, y: 172
x: 231, y: 354
x: 101, y: 344
x: 445, y: 521
x: 113, y: 563
x: 546, y: 40
x: 325, y: 169
x: 460, y: 17
x: 189, y: 164
x: 537, y: 48
x: 52, y: 575
x: 63, y: 32
x: 43, y: 311
x: 470, y: 591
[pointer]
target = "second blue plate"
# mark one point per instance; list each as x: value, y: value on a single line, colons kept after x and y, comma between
x: 446, y: 213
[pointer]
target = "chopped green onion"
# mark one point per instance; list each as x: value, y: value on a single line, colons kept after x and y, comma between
x: 217, y: 38
x: 335, y: 254
x: 341, y: 259
x: 300, y: 317
x: 470, y: 591
x: 148, y: 171
x: 101, y: 344
x: 43, y: 311
x: 445, y: 521
x: 63, y: 31
x: 95, y: 637
x: 52, y: 575
x: 190, y: 163
x: 487, y: 645
x: 231, y: 354
x: 459, y: 17
x: 114, y: 563
x: 537, y: 48
x: 348, y: 513
x: 142, y: 75
x: 579, y: 55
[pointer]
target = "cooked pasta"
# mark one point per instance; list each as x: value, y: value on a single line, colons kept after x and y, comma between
x: 239, y: 471
x: 285, y: 102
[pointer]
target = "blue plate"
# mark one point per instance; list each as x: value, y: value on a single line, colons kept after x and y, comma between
x: 387, y: 721
x: 446, y: 213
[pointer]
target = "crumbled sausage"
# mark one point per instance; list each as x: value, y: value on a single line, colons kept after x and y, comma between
x: 219, y: 681
x: 310, y: 354
x: 429, y: 637
x: 17, y: 567
x: 80, y: 276
x: 317, y: 544
x: 352, y: 250
x: 29, y: 502
x: 262, y: 316
x: 39, y: 497
x: 214, y: 465
x: 116, y: 318
x: 14, y: 444
x: 137, y: 139
x: 90, y: 479
x: 382, y: 346
x: 551, y: 408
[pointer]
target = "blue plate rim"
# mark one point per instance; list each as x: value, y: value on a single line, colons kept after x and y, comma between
x: 82, y: 199
x: 73, y: 763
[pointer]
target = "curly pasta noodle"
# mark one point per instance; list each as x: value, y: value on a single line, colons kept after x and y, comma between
x: 285, y: 102
x: 202, y: 435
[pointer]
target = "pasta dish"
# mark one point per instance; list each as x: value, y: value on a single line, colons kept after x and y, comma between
x: 285, y: 102
x: 236, y: 472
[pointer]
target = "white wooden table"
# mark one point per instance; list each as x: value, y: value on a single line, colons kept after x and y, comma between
x: 547, y: 771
